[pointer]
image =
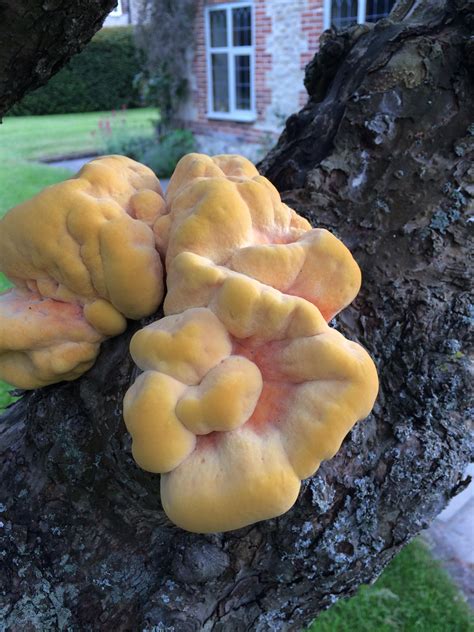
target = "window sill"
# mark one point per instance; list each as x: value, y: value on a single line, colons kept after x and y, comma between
x: 240, y: 117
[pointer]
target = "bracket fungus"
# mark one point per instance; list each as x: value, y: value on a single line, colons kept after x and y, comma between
x: 82, y: 258
x: 245, y: 388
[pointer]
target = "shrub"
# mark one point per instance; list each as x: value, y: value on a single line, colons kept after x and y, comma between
x: 132, y: 146
x: 115, y: 136
x: 163, y: 156
x: 164, y: 34
x: 101, y: 77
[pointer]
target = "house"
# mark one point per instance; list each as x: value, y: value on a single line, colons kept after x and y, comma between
x: 247, y: 64
x: 125, y: 12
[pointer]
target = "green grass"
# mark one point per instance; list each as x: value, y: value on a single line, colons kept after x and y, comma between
x: 20, y: 180
x: 413, y: 594
x: 57, y: 135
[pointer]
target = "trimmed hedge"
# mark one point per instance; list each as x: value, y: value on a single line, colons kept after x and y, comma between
x: 99, y: 78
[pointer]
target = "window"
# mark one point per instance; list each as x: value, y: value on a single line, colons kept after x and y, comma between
x: 342, y: 13
x: 377, y: 9
x: 230, y: 61
x: 118, y: 11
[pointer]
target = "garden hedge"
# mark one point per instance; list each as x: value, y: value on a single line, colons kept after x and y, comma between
x: 99, y: 78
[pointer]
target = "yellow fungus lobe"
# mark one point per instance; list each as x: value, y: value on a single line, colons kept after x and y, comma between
x: 82, y: 256
x: 244, y: 359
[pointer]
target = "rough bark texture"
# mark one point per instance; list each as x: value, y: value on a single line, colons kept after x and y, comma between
x: 38, y: 38
x: 380, y: 155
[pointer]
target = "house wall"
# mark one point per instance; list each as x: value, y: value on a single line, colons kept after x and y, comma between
x: 286, y: 38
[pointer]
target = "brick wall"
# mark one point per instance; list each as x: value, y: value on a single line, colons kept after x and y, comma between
x: 263, y: 59
x: 286, y: 36
x: 311, y: 28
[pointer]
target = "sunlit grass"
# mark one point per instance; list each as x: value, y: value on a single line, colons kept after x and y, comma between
x: 58, y: 135
x: 20, y: 180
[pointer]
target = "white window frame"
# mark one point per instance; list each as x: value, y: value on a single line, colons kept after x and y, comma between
x: 232, y: 51
x: 361, y: 12
x: 117, y: 11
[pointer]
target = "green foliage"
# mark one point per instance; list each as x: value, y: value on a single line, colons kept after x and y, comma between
x: 128, y: 145
x: 116, y: 136
x: 160, y: 153
x: 413, y: 594
x: 101, y: 77
x: 165, y: 35
x: 163, y: 156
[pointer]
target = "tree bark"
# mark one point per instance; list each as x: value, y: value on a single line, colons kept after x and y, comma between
x: 381, y: 156
x: 38, y: 38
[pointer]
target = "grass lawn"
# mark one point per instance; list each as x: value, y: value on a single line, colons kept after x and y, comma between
x: 21, y: 180
x: 413, y: 594
x: 57, y: 135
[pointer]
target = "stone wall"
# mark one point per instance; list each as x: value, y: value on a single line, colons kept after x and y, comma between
x: 286, y: 45
x: 286, y: 38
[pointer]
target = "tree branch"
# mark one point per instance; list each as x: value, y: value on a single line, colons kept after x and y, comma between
x: 38, y: 38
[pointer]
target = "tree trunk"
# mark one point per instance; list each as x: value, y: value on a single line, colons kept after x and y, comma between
x: 38, y: 38
x: 380, y: 155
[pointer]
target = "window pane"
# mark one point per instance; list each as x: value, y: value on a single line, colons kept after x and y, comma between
x: 218, y: 28
x: 242, y: 26
x: 242, y: 82
x: 343, y: 13
x: 377, y: 9
x: 220, y: 82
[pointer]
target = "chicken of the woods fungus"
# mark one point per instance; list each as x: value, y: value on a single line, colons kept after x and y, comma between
x: 244, y: 388
x: 81, y: 255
